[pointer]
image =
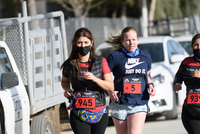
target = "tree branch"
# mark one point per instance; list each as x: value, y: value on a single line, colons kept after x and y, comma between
x: 97, y: 4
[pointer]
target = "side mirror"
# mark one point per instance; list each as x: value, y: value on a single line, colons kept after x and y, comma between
x: 177, y: 58
x: 9, y: 80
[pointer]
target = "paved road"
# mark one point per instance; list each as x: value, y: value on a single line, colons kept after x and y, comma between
x: 153, y: 125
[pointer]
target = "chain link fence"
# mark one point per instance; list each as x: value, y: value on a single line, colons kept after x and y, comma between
x: 176, y: 26
x: 101, y: 28
x: 14, y: 38
x: 13, y: 35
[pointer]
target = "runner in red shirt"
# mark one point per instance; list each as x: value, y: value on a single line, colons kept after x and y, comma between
x: 189, y: 72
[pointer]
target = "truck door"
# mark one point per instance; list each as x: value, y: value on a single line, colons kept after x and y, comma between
x: 11, y: 103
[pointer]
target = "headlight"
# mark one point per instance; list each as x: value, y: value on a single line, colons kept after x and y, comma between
x: 158, y: 79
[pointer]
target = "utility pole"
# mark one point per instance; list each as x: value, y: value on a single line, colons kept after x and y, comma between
x: 144, y: 18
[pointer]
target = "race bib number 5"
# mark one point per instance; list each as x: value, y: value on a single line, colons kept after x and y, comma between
x: 132, y: 85
x: 86, y: 100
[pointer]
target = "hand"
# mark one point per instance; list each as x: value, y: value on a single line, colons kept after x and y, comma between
x: 196, y: 74
x: 152, y: 90
x: 113, y: 95
x: 89, y: 76
x: 67, y: 94
x: 177, y: 87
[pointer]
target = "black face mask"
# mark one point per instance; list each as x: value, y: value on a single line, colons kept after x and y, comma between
x: 196, y: 53
x: 83, y: 50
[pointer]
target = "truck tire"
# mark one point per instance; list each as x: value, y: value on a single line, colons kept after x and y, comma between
x: 172, y: 114
x: 54, y: 116
x: 41, y: 125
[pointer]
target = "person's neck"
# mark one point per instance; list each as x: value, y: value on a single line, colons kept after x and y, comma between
x: 84, y: 58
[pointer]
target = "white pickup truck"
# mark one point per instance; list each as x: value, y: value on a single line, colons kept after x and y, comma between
x: 33, y: 108
x: 32, y: 49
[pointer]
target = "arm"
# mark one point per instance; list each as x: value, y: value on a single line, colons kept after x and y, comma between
x: 178, y: 81
x: 152, y: 90
x: 106, y: 84
x: 65, y: 83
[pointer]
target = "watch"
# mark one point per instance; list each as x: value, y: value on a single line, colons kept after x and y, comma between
x: 150, y: 84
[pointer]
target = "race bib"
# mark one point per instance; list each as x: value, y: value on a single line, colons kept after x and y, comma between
x: 193, y: 96
x: 132, y: 85
x: 85, y: 100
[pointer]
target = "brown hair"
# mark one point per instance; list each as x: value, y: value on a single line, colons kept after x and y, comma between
x: 115, y: 41
x: 81, y: 32
x: 197, y: 36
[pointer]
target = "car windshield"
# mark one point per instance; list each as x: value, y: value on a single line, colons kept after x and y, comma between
x: 5, y: 65
x: 155, y: 50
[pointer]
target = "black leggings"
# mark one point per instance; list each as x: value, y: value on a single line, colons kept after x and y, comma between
x: 81, y: 127
x: 191, y: 124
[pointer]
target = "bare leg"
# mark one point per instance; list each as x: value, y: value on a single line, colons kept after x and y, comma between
x: 135, y: 122
x: 120, y: 126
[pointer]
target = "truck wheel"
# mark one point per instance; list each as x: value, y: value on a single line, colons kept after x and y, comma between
x: 41, y: 125
x: 173, y: 114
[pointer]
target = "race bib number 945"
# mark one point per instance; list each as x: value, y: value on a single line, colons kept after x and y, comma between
x: 86, y: 100
x: 132, y: 85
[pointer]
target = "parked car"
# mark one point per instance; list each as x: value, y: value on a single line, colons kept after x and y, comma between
x: 185, y: 42
x: 166, y: 56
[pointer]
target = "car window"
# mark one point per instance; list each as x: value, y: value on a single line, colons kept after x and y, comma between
x: 154, y: 49
x: 105, y: 52
x: 170, y: 50
x: 173, y: 48
x: 176, y: 47
x: 187, y: 46
x: 5, y: 65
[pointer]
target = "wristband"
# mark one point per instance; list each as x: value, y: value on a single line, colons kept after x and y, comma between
x: 150, y: 84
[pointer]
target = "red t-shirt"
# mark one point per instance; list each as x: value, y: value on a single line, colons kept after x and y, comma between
x: 86, y: 66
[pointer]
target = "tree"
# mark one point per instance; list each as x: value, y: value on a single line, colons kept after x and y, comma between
x: 164, y: 9
x: 189, y: 7
x: 80, y: 8
x: 152, y: 10
x: 120, y: 5
x: 32, y: 7
x: 100, y: 8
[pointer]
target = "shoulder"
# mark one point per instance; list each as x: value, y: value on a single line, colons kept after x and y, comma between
x: 68, y: 64
x: 116, y: 53
x: 189, y: 61
x: 145, y: 54
x: 96, y: 57
x: 104, y: 59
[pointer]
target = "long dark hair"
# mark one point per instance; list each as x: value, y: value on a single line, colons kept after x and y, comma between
x: 81, y: 32
x: 197, y: 36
